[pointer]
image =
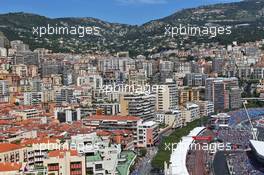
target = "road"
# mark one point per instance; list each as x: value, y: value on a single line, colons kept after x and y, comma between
x: 143, y: 166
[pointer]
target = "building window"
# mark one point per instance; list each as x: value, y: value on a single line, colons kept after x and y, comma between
x: 98, y: 167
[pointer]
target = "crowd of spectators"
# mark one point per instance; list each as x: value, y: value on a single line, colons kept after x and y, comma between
x: 238, y: 138
x: 241, y: 115
x: 241, y: 164
x: 238, y: 159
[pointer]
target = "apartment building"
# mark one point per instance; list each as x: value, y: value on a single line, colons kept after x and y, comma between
x: 101, y: 157
x: 206, y: 107
x: 67, y: 114
x: 4, y: 91
x: 37, y: 150
x: 173, y: 118
x: 12, y: 153
x: 106, y: 122
x: 27, y: 113
x: 190, y: 112
x: 66, y: 162
x: 147, y: 134
x: 187, y: 94
x: 194, y: 79
x: 224, y: 92
x: 167, y: 96
x: 138, y: 104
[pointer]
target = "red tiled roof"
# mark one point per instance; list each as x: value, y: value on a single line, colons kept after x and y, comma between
x: 103, y: 133
x: 5, y: 147
x: 61, y: 153
x: 115, y: 117
x: 23, y: 122
x: 5, y: 122
x: 39, y: 134
x: 38, y: 141
x: 121, y: 132
x: 64, y: 127
x: 113, y: 132
x: 12, y: 130
x: 8, y: 166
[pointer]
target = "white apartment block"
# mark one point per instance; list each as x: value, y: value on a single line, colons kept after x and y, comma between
x: 206, y: 107
x: 173, y: 118
x: 190, y: 112
x: 101, y: 157
x: 167, y: 96
x: 147, y: 134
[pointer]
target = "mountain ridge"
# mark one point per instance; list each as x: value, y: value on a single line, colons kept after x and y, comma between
x: 245, y: 17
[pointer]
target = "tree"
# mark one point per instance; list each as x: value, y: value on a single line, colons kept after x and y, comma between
x: 143, y: 152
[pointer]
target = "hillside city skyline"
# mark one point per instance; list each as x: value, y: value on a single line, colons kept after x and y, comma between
x: 133, y: 12
x: 180, y: 94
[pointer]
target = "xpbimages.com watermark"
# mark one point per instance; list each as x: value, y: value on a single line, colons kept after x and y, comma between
x: 210, y: 147
x: 79, y: 147
x: 79, y: 31
x: 188, y: 30
x: 126, y: 88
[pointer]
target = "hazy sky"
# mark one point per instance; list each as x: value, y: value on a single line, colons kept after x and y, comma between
x: 121, y: 11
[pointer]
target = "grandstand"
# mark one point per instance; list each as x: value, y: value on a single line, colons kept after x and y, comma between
x: 240, y: 115
x: 247, y: 116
